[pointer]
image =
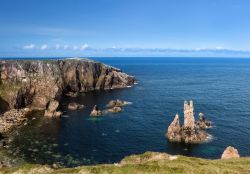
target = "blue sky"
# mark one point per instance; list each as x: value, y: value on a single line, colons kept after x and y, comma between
x: 125, y: 28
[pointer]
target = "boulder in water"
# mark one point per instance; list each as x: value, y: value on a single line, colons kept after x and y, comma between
x: 116, y: 103
x: 229, y: 153
x: 115, y: 109
x: 75, y: 106
x: 96, y: 112
x: 51, y: 109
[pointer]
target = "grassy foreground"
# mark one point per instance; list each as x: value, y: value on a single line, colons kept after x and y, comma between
x: 149, y: 162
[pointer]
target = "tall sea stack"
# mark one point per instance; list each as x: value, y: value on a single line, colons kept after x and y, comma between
x: 189, y: 132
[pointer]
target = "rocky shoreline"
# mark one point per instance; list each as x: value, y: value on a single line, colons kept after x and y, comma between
x: 41, y: 84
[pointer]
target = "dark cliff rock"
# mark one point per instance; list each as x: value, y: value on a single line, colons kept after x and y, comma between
x: 33, y: 83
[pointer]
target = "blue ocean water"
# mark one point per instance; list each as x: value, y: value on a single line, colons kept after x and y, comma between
x: 219, y: 87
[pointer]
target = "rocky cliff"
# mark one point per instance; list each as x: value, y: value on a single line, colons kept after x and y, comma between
x: 33, y: 83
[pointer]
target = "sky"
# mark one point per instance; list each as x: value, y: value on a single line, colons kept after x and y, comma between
x: 113, y: 28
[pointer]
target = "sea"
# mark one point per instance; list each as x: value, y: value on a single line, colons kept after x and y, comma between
x: 219, y: 88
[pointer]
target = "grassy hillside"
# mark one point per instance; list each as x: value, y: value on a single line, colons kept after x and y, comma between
x: 149, y: 162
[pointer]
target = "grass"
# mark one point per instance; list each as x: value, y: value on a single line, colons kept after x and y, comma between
x: 130, y: 165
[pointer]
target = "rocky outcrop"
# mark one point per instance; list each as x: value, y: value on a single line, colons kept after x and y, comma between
x: 115, y: 106
x: 34, y: 83
x: 189, y: 132
x: 51, y: 109
x: 174, y: 130
x: 229, y: 153
x: 116, y: 103
x: 75, y: 106
x: 96, y: 112
x: 11, y: 119
x: 202, y: 123
x: 115, y: 109
x: 189, y: 121
x: 38, y: 84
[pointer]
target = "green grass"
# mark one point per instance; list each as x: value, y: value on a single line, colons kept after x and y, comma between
x: 130, y: 165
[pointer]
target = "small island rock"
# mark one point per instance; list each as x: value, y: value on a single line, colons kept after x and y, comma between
x: 96, y: 112
x: 116, y: 103
x: 115, y: 109
x: 229, y: 153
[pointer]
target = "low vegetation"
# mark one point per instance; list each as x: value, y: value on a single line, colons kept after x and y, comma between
x: 149, y: 162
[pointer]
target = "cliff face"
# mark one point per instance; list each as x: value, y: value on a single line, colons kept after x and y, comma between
x: 33, y: 83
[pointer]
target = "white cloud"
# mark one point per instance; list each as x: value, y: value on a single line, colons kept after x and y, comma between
x: 219, y: 48
x: 44, y: 47
x: 58, y: 46
x: 65, y: 47
x: 29, y: 47
x: 84, y: 47
x: 75, y: 47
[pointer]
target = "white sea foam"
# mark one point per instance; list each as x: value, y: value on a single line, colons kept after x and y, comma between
x: 209, y: 138
x: 128, y: 103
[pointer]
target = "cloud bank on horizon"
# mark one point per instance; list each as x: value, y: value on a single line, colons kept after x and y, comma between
x: 218, y: 28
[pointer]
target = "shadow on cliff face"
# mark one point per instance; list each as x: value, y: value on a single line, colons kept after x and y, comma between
x: 4, y: 106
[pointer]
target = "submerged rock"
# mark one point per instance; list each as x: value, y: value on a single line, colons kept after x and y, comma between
x: 189, y: 132
x: 96, y: 112
x: 229, y: 153
x: 75, y: 106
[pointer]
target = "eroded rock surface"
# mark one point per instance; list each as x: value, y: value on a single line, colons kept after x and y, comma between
x: 229, y: 153
x: 189, y: 132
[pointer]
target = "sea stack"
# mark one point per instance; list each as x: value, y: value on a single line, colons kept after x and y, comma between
x: 189, y: 132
